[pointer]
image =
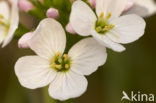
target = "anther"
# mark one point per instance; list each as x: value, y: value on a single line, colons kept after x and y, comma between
x: 99, y: 28
x: 58, y: 54
x: 107, y: 28
x: 101, y: 15
x: 65, y: 57
x: 58, y: 67
x: 66, y: 66
x: 112, y: 26
x: 53, y: 65
x: 53, y: 60
x: 108, y: 15
x: 1, y: 16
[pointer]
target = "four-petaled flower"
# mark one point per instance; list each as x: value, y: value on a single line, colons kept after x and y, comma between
x: 64, y: 72
x: 107, y: 27
x: 9, y: 20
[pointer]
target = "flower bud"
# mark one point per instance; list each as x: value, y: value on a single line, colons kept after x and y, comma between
x: 52, y: 13
x: 25, y: 5
x: 41, y: 1
x: 92, y: 3
x: 70, y: 29
x: 71, y: 1
x: 23, y: 41
x: 129, y: 5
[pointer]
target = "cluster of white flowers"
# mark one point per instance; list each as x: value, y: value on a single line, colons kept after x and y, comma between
x: 112, y: 25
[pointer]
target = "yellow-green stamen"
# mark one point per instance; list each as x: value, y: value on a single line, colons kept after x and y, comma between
x: 102, y: 25
x: 60, y: 62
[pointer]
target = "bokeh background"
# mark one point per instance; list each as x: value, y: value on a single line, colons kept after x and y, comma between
x: 131, y: 70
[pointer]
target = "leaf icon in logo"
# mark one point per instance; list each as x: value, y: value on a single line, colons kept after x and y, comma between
x: 125, y: 96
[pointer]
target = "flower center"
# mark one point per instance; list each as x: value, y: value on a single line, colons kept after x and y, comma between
x: 61, y: 62
x: 3, y: 23
x: 102, y: 25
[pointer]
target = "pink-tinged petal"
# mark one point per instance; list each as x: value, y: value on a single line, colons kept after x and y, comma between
x: 67, y: 85
x: 5, y: 10
x: 24, y: 40
x: 87, y: 55
x: 14, y: 21
x: 34, y: 72
x: 48, y: 39
x: 144, y: 8
x: 129, y: 5
x: 82, y: 18
x: 127, y: 32
x: 107, y: 42
x: 70, y: 29
x: 115, y: 7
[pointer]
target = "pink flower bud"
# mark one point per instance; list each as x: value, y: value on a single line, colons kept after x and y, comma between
x: 70, y: 29
x: 71, y: 1
x: 129, y: 5
x: 23, y: 41
x: 52, y: 13
x: 41, y: 1
x: 92, y: 3
x: 25, y: 5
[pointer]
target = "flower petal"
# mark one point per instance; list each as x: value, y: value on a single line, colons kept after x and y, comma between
x: 87, y: 55
x: 82, y: 18
x: 127, y: 32
x: 67, y: 85
x: 2, y: 34
x: 14, y: 21
x: 143, y: 8
x: 107, y: 42
x: 115, y: 7
x: 4, y: 9
x: 49, y: 38
x: 34, y: 72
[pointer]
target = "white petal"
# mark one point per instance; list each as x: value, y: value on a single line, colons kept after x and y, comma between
x: 87, y: 55
x: 67, y: 85
x: 23, y: 42
x: 105, y: 41
x: 14, y: 21
x: 13, y: 1
x: 143, y: 8
x: 5, y: 12
x: 34, y: 72
x: 127, y: 32
x: 82, y: 18
x: 2, y: 34
x: 115, y: 7
x: 49, y: 38
x: 4, y: 9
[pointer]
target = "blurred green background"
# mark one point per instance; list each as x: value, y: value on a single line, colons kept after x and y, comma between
x: 132, y: 70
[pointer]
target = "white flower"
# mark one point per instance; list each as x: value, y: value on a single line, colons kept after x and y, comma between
x: 9, y: 20
x: 64, y: 72
x: 144, y: 8
x: 107, y: 27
